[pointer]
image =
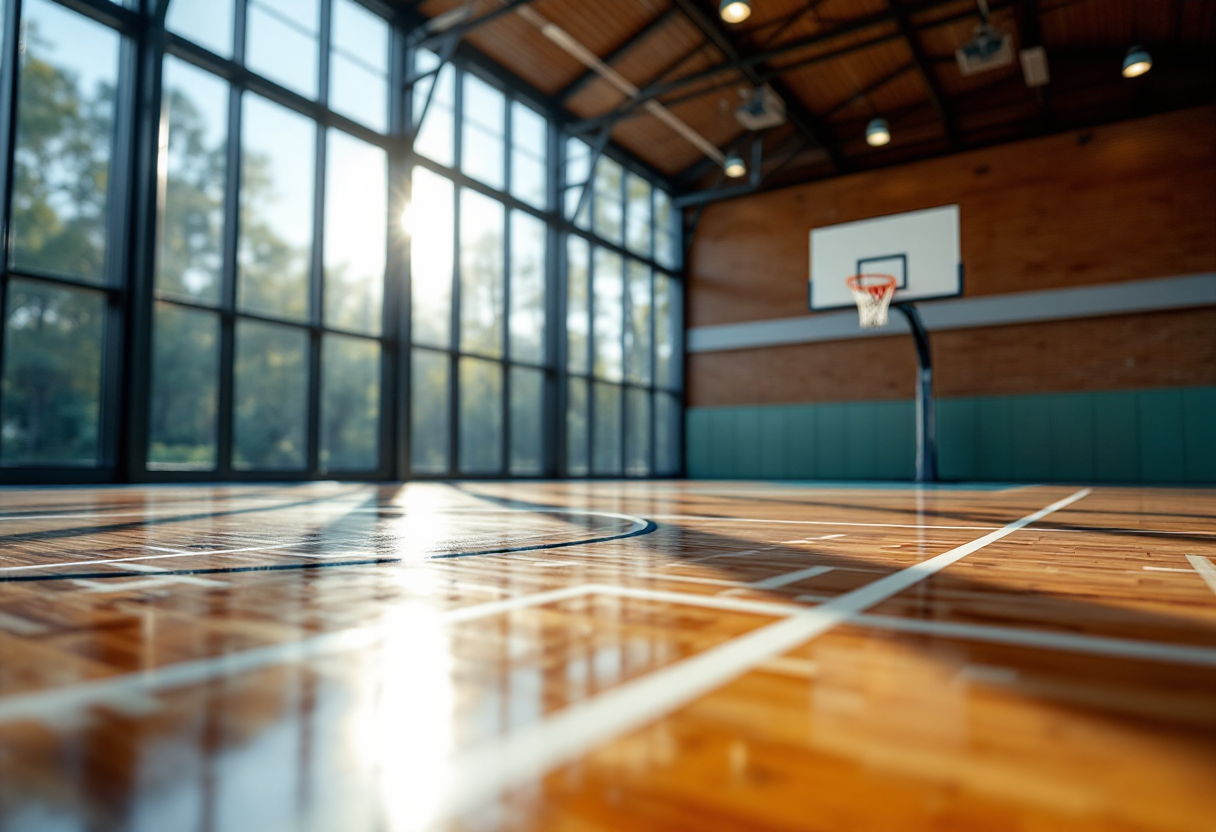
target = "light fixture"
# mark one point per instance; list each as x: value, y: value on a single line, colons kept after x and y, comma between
x: 735, y: 11
x: 1137, y: 62
x: 878, y: 132
x: 734, y: 166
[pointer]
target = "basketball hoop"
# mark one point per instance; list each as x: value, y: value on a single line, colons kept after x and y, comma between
x: 873, y: 293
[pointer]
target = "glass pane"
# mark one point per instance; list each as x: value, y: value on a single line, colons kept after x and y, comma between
x: 609, y: 212
x: 52, y: 375
x: 482, y: 142
x: 270, y: 402
x: 527, y: 421
x: 430, y: 222
x: 576, y: 428
x: 358, y: 65
x: 666, y: 331
x: 185, y: 380
x: 529, y: 150
x: 65, y: 127
x: 609, y: 315
x: 350, y: 404
x: 430, y: 420
x: 606, y: 455
x: 356, y: 205
x: 637, y: 228
x: 578, y: 170
x: 666, y: 250
x: 667, y: 434
x: 194, y: 128
x: 637, y: 334
x: 480, y: 416
x: 481, y: 273
x: 281, y: 42
x: 277, y: 160
x: 436, y: 137
x: 578, y: 304
x: 637, y: 432
x: 527, y: 288
x: 206, y: 22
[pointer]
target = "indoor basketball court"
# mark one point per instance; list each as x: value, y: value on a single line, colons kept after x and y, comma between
x: 640, y: 415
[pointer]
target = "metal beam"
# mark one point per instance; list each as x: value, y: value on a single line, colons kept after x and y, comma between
x: 580, y: 83
x: 936, y: 97
x: 654, y: 91
x: 796, y: 112
x: 459, y: 30
x: 870, y: 89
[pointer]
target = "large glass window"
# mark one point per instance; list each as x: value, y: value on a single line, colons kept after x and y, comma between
x: 278, y: 149
x: 281, y: 42
x: 206, y: 22
x: 436, y: 121
x: 52, y: 375
x: 358, y: 65
x: 64, y: 140
x: 311, y: 259
x: 623, y: 326
x: 481, y: 143
x: 194, y: 129
x: 185, y: 380
x: 356, y: 207
x: 529, y: 154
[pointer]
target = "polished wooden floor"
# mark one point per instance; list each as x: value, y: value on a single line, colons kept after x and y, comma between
x: 607, y: 656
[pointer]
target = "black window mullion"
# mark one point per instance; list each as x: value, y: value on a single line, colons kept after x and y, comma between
x: 317, y: 270
x: 395, y: 350
x: 454, y: 341
x: 232, y: 209
x: 507, y: 278
x: 142, y: 237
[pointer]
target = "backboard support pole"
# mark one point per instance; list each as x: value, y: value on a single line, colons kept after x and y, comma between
x: 926, y: 436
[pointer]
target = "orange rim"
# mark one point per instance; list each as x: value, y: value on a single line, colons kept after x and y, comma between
x: 878, y: 287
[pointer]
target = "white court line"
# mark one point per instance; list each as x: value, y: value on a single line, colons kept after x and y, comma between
x: 917, y: 525
x: 1205, y: 569
x: 529, y: 753
x: 50, y: 705
x: 1165, y: 569
x: 1094, y: 645
x: 778, y: 581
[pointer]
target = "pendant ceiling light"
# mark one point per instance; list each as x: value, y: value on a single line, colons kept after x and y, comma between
x: 878, y: 132
x: 1137, y: 62
x: 734, y: 166
x: 735, y: 11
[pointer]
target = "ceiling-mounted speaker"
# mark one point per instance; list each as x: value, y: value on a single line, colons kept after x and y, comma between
x: 987, y: 50
x: 1034, y: 66
x: 762, y: 110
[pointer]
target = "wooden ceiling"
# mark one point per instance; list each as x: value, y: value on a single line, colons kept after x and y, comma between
x: 839, y: 63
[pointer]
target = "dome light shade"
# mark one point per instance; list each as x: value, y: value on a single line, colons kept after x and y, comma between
x: 735, y: 11
x: 1137, y: 62
x: 734, y: 166
x: 878, y: 132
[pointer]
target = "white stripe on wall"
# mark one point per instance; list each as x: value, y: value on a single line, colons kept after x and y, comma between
x: 962, y: 313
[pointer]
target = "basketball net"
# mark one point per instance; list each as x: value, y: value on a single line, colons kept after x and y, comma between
x: 873, y: 293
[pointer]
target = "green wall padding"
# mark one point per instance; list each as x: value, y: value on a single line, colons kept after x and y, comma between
x: 1124, y: 436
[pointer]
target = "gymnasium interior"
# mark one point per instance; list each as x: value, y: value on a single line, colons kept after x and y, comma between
x: 571, y: 416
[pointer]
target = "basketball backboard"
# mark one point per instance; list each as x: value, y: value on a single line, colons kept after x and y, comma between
x: 920, y: 249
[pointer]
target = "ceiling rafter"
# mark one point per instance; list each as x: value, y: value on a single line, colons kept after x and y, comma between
x: 796, y: 112
x: 932, y: 86
x: 580, y: 83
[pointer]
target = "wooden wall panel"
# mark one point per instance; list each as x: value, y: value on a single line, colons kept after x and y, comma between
x: 1159, y: 349
x: 1127, y: 201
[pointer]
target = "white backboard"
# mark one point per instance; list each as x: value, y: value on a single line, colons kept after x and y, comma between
x: 919, y: 248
